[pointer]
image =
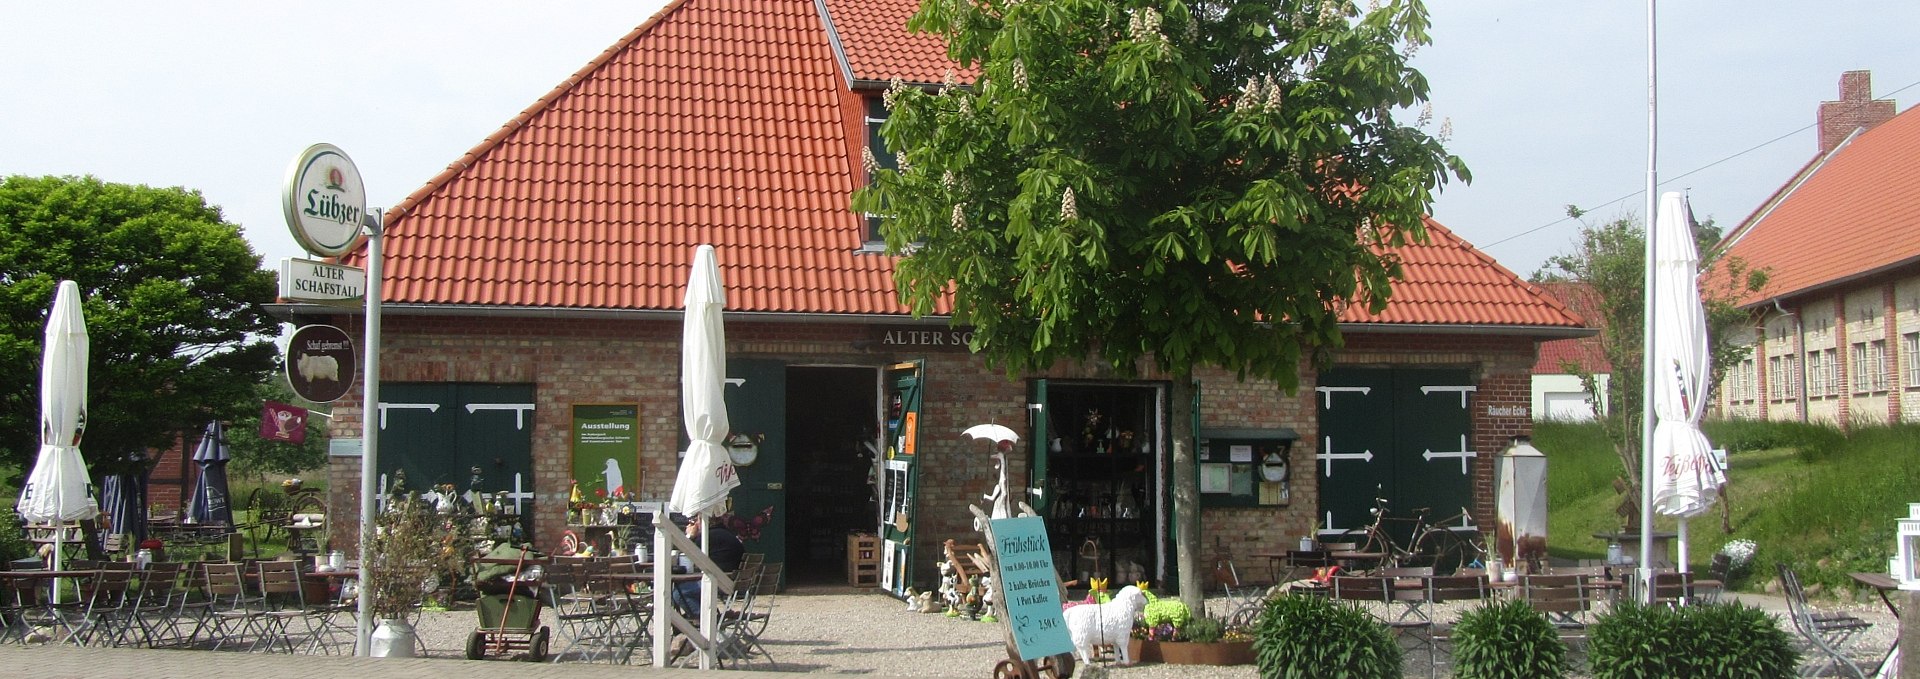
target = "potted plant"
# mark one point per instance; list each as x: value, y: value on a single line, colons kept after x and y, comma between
x: 412, y: 546
x: 1208, y: 641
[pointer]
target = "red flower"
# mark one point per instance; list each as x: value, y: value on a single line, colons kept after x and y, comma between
x: 152, y: 543
x: 600, y: 492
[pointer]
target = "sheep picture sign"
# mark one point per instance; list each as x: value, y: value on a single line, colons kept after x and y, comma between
x: 1030, y: 592
x: 320, y: 363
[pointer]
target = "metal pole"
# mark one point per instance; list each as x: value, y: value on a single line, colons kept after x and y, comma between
x: 1645, y: 571
x: 369, y: 441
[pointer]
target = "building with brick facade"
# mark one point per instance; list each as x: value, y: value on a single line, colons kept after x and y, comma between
x: 1559, y: 393
x: 1836, y: 332
x: 531, y: 320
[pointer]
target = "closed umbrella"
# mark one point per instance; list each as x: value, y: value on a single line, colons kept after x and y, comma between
x: 706, y: 473
x: 122, y: 498
x: 1685, y: 477
x: 210, y: 505
x: 58, y: 490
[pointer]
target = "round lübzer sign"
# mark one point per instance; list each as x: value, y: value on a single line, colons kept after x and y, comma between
x: 320, y: 362
x: 325, y: 201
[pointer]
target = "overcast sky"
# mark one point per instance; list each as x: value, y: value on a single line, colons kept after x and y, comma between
x: 1548, y: 100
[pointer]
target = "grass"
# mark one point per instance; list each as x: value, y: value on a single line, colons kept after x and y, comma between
x: 1808, y: 495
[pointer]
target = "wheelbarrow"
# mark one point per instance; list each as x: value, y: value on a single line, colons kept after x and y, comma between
x: 509, y: 609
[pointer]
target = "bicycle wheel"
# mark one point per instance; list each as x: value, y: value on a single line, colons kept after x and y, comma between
x: 1447, y: 550
x: 1371, y: 541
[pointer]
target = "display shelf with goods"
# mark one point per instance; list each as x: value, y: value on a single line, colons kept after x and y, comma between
x: 1101, y: 476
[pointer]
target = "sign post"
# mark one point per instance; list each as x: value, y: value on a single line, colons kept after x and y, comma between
x: 325, y: 204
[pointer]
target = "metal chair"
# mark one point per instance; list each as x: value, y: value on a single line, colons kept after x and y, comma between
x: 1450, y: 589
x: 107, y: 604
x: 233, y: 613
x: 1827, y: 634
x: 283, y: 604
x: 745, y: 618
x: 1377, y: 594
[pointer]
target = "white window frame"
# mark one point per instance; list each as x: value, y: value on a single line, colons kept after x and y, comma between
x: 1910, y: 350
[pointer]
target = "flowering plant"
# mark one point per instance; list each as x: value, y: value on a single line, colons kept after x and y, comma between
x: 1739, y: 556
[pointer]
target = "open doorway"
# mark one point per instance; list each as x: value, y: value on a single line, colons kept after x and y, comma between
x: 831, y: 415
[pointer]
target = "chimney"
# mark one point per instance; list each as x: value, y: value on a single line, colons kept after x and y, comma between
x: 1856, y: 109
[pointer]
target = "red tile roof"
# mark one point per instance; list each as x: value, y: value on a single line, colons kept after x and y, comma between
x: 1854, y: 213
x: 719, y: 121
x: 874, y: 38
x: 1585, y: 352
x: 1447, y: 281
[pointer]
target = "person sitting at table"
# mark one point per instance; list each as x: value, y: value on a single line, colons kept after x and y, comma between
x: 724, y: 548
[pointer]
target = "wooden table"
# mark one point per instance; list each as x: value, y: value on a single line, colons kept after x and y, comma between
x: 1883, y: 583
x: 1630, y: 544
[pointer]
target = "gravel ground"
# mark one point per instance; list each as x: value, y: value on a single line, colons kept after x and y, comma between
x: 844, y: 631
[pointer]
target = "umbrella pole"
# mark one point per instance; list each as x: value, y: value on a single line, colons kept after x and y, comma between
x: 1683, y: 544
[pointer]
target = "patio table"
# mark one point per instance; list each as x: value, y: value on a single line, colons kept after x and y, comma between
x: 1883, y: 583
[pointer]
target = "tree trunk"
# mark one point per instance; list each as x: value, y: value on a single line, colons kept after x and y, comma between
x: 1186, y: 497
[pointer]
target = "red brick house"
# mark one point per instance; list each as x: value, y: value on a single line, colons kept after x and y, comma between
x: 1836, y: 335
x: 535, y: 287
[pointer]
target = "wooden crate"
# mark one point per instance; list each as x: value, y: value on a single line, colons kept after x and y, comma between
x: 863, y: 560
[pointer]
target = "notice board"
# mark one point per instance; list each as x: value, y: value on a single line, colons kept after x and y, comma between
x: 606, y: 448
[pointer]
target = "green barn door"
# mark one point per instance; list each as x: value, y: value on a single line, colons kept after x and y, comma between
x: 900, y: 475
x: 1356, y: 437
x: 1039, y: 436
x: 437, y: 433
x: 756, y: 394
x: 1433, y: 432
x: 418, y: 444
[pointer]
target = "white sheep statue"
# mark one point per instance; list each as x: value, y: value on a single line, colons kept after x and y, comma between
x: 1091, y: 625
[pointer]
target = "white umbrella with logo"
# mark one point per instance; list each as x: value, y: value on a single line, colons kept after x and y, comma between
x: 1685, y: 477
x: 58, y: 490
x: 706, y: 473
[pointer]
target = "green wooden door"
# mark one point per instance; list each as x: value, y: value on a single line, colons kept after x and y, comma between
x: 756, y: 394
x: 1039, y: 437
x: 1399, y: 433
x: 437, y: 433
x: 900, y: 475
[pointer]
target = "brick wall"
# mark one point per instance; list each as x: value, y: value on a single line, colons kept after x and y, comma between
x: 580, y: 361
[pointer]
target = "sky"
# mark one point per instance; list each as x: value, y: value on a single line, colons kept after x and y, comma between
x: 1548, y: 100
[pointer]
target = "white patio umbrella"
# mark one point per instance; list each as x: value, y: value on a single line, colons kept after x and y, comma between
x: 706, y: 473
x: 1685, y: 477
x: 58, y: 490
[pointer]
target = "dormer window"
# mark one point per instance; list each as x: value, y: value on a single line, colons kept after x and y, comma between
x: 876, y: 116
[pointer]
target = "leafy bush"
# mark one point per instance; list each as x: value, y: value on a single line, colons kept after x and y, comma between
x: 1718, y: 640
x: 1203, y: 630
x: 1507, y: 639
x: 1303, y: 637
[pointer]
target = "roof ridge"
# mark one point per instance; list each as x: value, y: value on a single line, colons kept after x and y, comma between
x: 538, y: 106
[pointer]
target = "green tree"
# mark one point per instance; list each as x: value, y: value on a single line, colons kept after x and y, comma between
x: 174, y: 303
x: 1183, y: 184
x: 1610, y: 258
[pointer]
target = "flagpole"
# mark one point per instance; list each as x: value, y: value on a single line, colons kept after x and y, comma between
x: 1645, y: 570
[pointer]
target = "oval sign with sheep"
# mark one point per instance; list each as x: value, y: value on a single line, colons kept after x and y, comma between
x: 320, y: 363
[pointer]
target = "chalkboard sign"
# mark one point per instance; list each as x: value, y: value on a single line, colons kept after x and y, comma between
x: 1030, y: 592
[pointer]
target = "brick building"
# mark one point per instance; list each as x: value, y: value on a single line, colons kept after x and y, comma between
x: 534, y: 288
x: 1836, y: 333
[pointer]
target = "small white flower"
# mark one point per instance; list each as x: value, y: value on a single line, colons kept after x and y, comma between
x: 900, y: 161
x: 1250, y: 95
x: 959, y: 216
x: 894, y: 90
x: 867, y: 162
x: 949, y: 81
x: 1446, y: 129
x: 1069, y: 209
x: 1020, y: 74
x: 1426, y: 115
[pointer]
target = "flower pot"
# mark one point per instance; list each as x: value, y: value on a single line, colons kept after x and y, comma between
x: 392, y: 639
x: 1143, y: 651
x: 1214, y: 653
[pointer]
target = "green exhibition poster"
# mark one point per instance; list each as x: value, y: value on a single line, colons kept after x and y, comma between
x: 606, y: 448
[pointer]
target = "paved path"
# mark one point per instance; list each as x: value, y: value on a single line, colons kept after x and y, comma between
x: 111, y: 663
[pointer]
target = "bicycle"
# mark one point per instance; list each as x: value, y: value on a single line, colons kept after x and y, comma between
x: 1438, y: 544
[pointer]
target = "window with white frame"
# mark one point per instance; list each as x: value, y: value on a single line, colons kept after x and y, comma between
x: 1830, y: 364
x: 1877, y: 365
x: 1910, y: 350
x: 1857, y: 367
x: 1792, y: 378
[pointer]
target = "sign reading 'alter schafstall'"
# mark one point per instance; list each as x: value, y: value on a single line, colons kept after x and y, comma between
x: 305, y: 280
x: 926, y: 339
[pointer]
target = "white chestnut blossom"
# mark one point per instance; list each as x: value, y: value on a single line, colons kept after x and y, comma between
x: 1069, y: 209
